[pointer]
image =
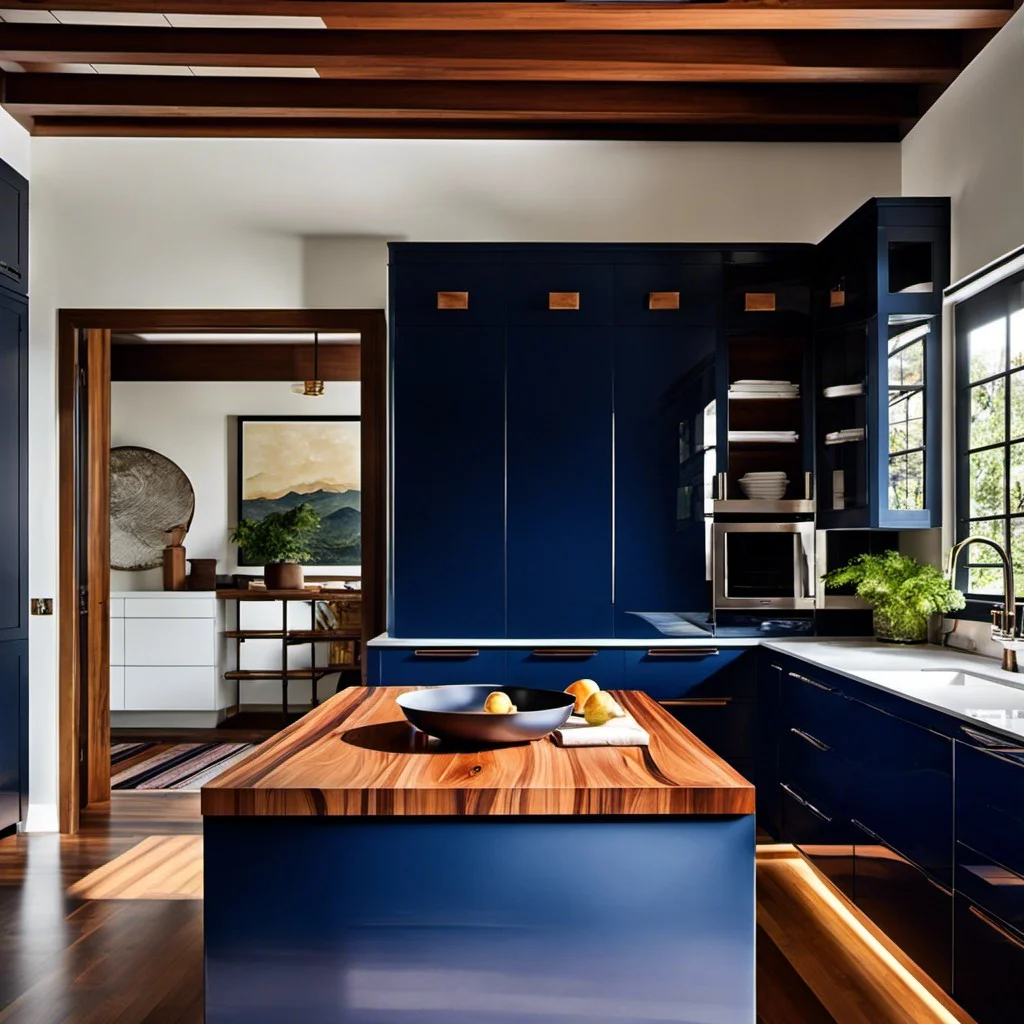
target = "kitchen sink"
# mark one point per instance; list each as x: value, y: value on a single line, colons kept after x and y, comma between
x: 929, y: 677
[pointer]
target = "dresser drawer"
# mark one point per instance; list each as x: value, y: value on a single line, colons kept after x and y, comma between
x: 671, y: 673
x: 170, y: 689
x: 668, y: 293
x: 117, y: 607
x: 170, y: 608
x: 170, y: 642
x: 554, y: 668
x: 117, y: 641
x: 450, y: 294
x: 117, y: 687
x: 988, y: 964
x: 441, y: 666
x: 990, y: 804
x: 582, y: 294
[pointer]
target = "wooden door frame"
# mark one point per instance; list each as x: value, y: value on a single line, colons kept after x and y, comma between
x: 72, y: 690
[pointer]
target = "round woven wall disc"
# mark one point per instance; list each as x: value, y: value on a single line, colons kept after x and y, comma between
x: 149, y: 495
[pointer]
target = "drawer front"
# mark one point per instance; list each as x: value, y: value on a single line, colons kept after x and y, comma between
x: 470, y: 294
x: 814, y: 769
x: 117, y: 607
x: 554, y: 668
x: 990, y: 804
x: 117, y: 687
x: 530, y: 290
x: 170, y: 642
x: 170, y: 608
x: 170, y: 689
x: 727, y: 726
x: 815, y: 708
x: 807, y: 823
x: 668, y: 673
x: 992, y: 886
x: 988, y: 964
x: 441, y: 666
x: 638, y: 287
x: 915, y: 912
x: 903, y: 775
x: 117, y: 641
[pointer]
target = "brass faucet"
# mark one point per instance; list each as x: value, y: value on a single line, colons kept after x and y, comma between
x: 1005, y: 629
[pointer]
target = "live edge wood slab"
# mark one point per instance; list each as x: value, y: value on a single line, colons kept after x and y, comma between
x: 356, y: 755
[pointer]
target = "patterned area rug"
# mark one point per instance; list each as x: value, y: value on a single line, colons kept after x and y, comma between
x: 175, y: 766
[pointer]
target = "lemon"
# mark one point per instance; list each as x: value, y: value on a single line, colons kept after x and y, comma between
x: 601, y: 707
x: 499, y: 703
x: 582, y: 690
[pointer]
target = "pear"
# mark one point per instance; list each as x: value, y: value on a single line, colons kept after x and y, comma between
x: 601, y: 707
x: 582, y: 690
x: 499, y: 703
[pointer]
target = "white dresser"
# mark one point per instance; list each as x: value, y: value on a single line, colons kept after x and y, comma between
x: 167, y: 652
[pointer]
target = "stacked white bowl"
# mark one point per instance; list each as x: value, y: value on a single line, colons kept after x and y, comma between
x: 764, y: 486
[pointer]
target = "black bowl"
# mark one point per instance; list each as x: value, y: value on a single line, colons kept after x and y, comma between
x: 456, y: 713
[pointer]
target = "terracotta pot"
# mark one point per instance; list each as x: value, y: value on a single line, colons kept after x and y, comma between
x: 283, y: 576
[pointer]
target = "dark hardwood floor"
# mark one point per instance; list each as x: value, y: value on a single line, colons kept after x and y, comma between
x: 127, y: 961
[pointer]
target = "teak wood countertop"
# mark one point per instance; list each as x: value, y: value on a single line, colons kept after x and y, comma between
x: 357, y: 755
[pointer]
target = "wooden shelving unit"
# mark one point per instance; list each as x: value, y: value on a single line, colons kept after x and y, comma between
x: 290, y: 638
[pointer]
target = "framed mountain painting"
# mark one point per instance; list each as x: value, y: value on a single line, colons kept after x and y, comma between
x: 284, y: 461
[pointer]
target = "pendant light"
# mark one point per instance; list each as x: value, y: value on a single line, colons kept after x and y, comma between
x: 314, y: 388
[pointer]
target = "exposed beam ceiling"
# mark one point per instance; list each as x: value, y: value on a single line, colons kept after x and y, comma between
x: 738, y: 69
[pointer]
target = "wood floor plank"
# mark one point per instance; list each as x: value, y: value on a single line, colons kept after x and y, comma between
x: 156, y: 868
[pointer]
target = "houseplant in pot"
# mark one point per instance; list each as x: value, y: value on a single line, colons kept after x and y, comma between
x: 279, y: 540
x: 902, y: 592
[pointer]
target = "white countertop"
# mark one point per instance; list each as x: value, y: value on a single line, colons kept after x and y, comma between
x: 996, y: 700
x: 596, y: 643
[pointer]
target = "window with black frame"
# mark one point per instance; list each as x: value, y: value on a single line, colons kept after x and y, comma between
x: 990, y: 433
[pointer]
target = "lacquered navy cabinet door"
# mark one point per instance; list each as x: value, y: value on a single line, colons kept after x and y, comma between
x: 559, y: 529
x: 989, y: 964
x: 13, y: 731
x: 448, y: 545
x: 13, y: 229
x: 664, y: 379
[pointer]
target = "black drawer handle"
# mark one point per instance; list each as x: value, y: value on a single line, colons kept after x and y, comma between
x: 874, y: 835
x: 5, y: 266
x: 810, y: 739
x: 806, y: 803
x: 564, y: 652
x: 941, y: 888
x: 441, y: 652
x: 697, y: 702
x: 991, y: 742
x: 996, y: 927
x: 682, y: 652
x: 811, y: 682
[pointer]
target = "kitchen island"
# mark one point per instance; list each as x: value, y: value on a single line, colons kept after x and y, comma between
x: 358, y: 871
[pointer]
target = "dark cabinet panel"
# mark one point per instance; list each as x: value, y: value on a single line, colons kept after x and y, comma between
x: 448, y: 294
x: 448, y: 544
x: 440, y: 667
x: 904, y: 785
x: 915, y: 912
x: 728, y: 727
x: 989, y: 964
x: 555, y: 669
x: 664, y: 381
x: 560, y: 295
x: 13, y: 468
x: 991, y: 885
x: 559, y: 474
x: 13, y: 229
x: 667, y: 673
x: 648, y: 294
x: 813, y: 706
x: 13, y: 732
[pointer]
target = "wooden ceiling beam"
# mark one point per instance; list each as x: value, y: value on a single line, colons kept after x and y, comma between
x: 323, y: 128
x: 731, y: 15
x: 62, y: 95
x: 926, y: 57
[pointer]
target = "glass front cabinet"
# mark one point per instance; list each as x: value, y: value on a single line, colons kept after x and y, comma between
x: 879, y: 361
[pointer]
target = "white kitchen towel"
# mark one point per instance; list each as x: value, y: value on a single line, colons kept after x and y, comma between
x: 619, y: 732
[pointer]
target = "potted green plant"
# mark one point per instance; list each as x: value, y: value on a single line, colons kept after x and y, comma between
x: 280, y: 541
x: 902, y: 591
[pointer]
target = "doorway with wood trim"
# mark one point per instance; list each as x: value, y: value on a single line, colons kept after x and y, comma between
x: 85, y: 373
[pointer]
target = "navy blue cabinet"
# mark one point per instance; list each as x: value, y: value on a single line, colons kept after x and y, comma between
x: 555, y: 668
x: 664, y: 381
x: 13, y: 230
x: 559, y: 476
x: 448, y: 482
x: 13, y: 558
x: 988, y: 964
x: 436, y: 666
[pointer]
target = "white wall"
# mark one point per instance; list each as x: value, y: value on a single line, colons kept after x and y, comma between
x: 291, y: 223
x: 970, y: 146
x: 192, y: 424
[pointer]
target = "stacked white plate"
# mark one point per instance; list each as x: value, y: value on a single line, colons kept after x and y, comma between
x: 764, y: 486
